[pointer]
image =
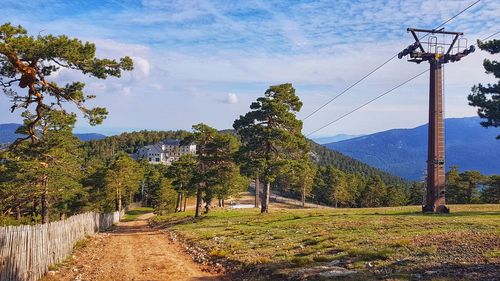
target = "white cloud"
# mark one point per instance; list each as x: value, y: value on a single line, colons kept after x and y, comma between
x: 126, y: 91
x: 190, y: 53
x: 232, y: 98
x: 142, y: 66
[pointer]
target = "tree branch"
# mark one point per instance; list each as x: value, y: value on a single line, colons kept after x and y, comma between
x: 8, y: 84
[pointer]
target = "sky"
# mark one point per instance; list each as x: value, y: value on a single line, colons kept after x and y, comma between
x: 206, y: 61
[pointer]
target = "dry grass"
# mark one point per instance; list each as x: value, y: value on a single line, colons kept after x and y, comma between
x: 392, y: 242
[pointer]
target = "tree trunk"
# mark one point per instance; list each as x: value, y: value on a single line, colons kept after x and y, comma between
x: 18, y: 212
x: 178, y: 203
x: 223, y: 203
x: 118, y: 200
x: 185, y: 202
x: 199, y: 202
x: 257, y: 191
x: 303, y: 195
x: 207, y: 204
x: 45, y: 200
x: 265, y: 198
x: 469, y: 192
x: 34, y: 215
x: 220, y: 203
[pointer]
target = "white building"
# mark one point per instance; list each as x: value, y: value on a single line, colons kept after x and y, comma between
x: 165, y: 152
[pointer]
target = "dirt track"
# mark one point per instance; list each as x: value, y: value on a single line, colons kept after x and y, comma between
x: 133, y: 251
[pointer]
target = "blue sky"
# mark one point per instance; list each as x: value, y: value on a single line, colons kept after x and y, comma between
x: 206, y: 61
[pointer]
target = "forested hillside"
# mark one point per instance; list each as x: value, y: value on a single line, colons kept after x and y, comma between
x: 129, y: 143
x: 327, y: 157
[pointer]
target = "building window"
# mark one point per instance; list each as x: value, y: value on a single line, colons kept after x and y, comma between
x: 157, y: 159
x: 150, y: 159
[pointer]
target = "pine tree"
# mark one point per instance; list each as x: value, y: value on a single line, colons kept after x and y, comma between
x: 27, y: 62
x: 123, y: 177
x: 487, y: 98
x: 375, y: 193
x: 272, y: 134
x: 396, y: 196
x: 491, y: 191
x: 471, y: 179
x: 50, y: 169
x: 456, y: 189
x: 181, y: 173
x: 167, y: 198
x: 49, y: 160
x: 215, y: 164
x: 416, y: 193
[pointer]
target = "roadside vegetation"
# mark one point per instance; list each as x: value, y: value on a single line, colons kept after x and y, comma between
x: 397, y: 242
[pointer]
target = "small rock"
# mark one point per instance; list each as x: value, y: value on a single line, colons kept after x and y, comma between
x: 334, y: 262
x: 337, y: 271
x: 369, y: 265
x: 402, y: 261
x: 75, y: 269
x: 430, y: 272
x: 51, y: 273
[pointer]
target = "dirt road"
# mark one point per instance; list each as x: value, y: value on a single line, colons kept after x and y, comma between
x: 133, y: 252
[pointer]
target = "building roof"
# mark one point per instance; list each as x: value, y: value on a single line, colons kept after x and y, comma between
x: 155, y: 148
x: 171, y: 142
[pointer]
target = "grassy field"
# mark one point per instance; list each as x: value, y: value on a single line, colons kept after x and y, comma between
x: 133, y: 214
x: 362, y: 244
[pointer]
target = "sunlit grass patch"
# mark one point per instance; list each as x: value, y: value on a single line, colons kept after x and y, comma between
x: 288, y: 240
x: 133, y: 214
x: 492, y: 255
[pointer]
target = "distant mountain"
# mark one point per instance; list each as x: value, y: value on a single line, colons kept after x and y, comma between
x: 8, y: 135
x: 90, y: 136
x: 403, y: 152
x: 336, y: 138
x: 7, y: 132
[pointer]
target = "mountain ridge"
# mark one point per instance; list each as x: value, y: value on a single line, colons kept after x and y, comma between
x: 335, y: 138
x: 403, y: 152
x: 8, y: 134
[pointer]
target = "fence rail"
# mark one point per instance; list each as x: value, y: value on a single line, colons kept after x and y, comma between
x: 295, y: 202
x: 27, y: 251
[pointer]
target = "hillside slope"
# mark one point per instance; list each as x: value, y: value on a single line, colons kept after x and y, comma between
x: 327, y: 157
x: 403, y: 152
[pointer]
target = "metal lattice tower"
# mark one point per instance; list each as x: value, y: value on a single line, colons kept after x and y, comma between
x: 436, y: 56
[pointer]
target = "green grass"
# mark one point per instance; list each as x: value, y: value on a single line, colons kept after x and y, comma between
x: 384, y: 238
x: 133, y: 214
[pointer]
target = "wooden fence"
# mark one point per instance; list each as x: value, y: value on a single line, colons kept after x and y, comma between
x: 27, y: 251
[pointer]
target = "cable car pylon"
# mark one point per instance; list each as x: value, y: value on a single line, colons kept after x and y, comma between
x: 435, y: 200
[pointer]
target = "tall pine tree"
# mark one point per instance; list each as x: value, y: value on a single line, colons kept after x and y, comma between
x: 271, y: 133
x: 487, y: 97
